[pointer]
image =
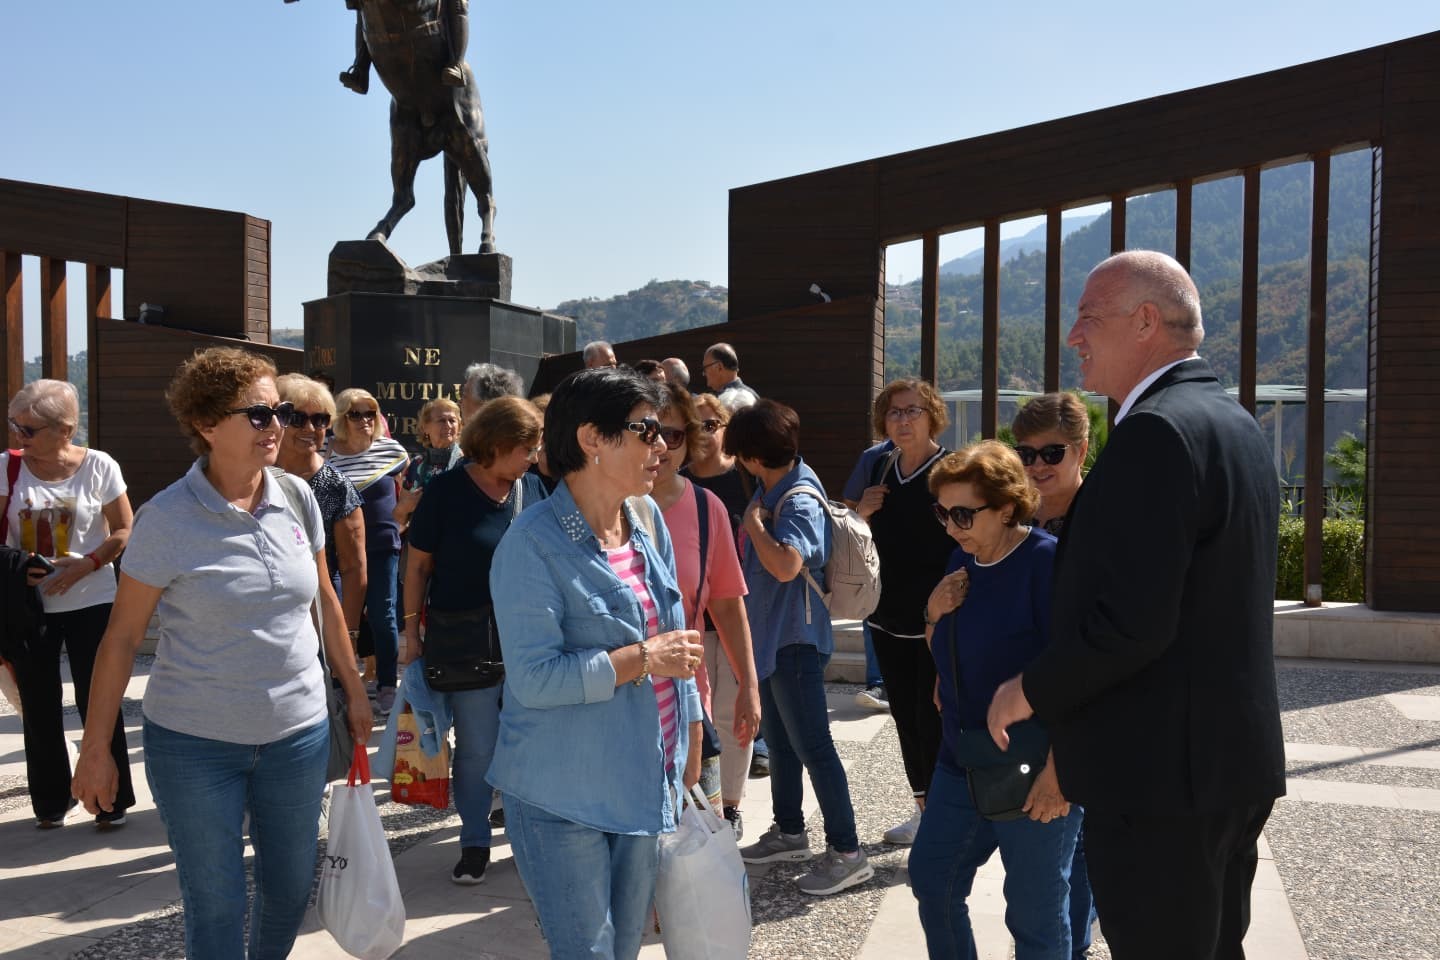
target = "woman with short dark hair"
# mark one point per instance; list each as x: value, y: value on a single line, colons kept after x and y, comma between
x: 785, y: 533
x: 599, y: 738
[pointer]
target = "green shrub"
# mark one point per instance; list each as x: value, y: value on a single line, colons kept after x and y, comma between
x: 1342, y: 560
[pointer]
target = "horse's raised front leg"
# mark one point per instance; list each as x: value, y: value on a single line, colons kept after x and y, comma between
x: 404, y: 161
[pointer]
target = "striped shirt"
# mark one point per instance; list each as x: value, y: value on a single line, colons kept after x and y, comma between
x: 629, y: 566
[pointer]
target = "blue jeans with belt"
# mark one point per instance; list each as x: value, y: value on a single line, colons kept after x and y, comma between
x: 796, y: 723
x: 203, y: 790
x: 954, y: 841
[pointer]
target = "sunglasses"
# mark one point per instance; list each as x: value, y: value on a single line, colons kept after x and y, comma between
x: 1051, y: 453
x: 355, y: 416
x: 298, y: 419
x: 962, y: 517
x: 27, y: 432
x: 673, y: 437
x: 260, y: 415
x: 648, y: 429
x: 711, y: 424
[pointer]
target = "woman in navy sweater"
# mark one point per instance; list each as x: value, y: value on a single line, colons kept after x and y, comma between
x: 986, y: 619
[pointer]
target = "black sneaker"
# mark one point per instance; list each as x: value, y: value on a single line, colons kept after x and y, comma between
x: 111, y: 820
x: 497, y: 818
x: 736, y: 823
x: 471, y: 868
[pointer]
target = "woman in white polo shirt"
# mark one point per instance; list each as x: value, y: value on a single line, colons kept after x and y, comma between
x: 231, y: 557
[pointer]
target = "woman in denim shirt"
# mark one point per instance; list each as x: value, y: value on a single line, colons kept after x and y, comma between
x: 599, y: 735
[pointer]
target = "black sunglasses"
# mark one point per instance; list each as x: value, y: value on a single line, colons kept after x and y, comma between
x: 260, y: 415
x: 27, y: 432
x: 298, y: 419
x: 673, y: 437
x: 1051, y: 453
x: 648, y: 429
x: 358, y: 415
x: 711, y: 424
x: 962, y: 517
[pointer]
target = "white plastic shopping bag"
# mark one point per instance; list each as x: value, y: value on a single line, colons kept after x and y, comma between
x: 359, y: 900
x: 702, y: 893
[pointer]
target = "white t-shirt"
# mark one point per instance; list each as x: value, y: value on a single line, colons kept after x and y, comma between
x: 65, y: 518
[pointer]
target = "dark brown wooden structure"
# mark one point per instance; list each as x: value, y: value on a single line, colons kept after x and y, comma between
x: 831, y: 228
x: 209, y: 269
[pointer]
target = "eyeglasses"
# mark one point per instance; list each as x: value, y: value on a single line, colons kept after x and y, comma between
x: 532, y: 455
x: 27, y: 432
x: 648, y: 429
x: 260, y: 415
x: 903, y: 414
x: 707, y: 366
x: 962, y: 517
x: 673, y: 437
x: 1051, y: 453
x: 355, y: 416
x: 298, y: 419
x: 711, y: 424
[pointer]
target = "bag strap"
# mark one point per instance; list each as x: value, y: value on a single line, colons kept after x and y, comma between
x: 359, y: 765
x: 885, y: 465
x: 804, y: 570
x: 702, y: 514
x: 12, y: 476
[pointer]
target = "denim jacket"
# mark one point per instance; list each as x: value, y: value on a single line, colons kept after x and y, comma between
x: 570, y: 740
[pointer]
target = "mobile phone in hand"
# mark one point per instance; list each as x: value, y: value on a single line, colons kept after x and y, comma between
x: 37, y: 562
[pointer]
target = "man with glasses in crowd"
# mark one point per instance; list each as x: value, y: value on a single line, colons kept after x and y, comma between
x: 721, y: 368
x: 599, y: 353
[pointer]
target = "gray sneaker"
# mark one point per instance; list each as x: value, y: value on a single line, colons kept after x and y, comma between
x: 774, y: 845
x: 834, y: 872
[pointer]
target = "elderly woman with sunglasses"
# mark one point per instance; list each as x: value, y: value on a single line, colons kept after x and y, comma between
x: 453, y: 538
x: 1052, y: 439
x: 67, y: 504
x: 231, y: 558
x: 711, y: 467
x: 338, y: 500
x: 986, y: 619
x: 373, y: 463
x: 600, y: 731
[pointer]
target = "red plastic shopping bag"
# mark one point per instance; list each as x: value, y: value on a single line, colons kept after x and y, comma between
x: 359, y: 900
x: 418, y: 779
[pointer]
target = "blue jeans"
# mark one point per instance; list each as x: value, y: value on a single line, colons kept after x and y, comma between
x: 954, y: 841
x: 591, y: 889
x: 1082, y: 901
x: 203, y: 790
x: 796, y: 723
x: 477, y: 721
x: 381, y: 601
x: 872, y: 665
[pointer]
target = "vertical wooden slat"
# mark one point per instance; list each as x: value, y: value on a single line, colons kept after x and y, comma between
x: 1249, y: 286
x: 97, y: 307
x: 12, y: 322
x: 1184, y: 190
x: 1052, y: 299
x: 930, y: 307
x: 990, y: 337
x: 1315, y: 379
x: 54, y: 356
x: 1117, y: 222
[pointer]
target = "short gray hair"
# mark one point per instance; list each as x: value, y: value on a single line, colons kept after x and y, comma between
x: 487, y: 381
x: 676, y: 371
x: 593, y: 349
x: 55, y: 401
x: 1160, y: 279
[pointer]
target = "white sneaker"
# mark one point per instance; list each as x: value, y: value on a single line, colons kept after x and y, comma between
x: 903, y: 834
x: 873, y: 698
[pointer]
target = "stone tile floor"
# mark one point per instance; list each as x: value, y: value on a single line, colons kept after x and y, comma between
x: 1355, y: 871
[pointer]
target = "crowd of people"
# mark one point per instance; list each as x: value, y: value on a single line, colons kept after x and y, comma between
x: 616, y: 592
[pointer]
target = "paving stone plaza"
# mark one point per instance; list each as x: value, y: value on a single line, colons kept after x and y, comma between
x: 1350, y: 865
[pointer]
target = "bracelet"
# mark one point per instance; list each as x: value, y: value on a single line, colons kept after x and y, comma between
x: 644, y: 665
x: 928, y: 621
x: 409, y: 615
x: 94, y: 559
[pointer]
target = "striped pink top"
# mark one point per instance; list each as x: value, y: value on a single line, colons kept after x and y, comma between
x: 629, y: 566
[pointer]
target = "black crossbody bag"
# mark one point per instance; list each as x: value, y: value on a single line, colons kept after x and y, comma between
x: 462, y: 647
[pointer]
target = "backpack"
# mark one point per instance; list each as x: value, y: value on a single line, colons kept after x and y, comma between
x: 853, y: 571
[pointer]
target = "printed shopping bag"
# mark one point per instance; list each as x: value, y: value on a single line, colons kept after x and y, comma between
x: 418, y: 779
x: 702, y: 893
x: 359, y: 899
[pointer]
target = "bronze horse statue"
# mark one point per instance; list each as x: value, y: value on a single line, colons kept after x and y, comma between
x: 418, y: 51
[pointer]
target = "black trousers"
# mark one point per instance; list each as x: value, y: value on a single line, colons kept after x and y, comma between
x: 909, y: 674
x: 1176, y: 887
x: 37, y: 674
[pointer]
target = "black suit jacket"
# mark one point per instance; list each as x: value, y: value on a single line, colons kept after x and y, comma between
x: 1158, y: 686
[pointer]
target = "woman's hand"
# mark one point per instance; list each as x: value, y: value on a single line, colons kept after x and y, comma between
x: 68, y: 572
x: 948, y: 594
x: 675, y: 654
x: 360, y: 720
x: 754, y: 519
x: 747, y: 713
x: 872, y: 500
x: 1045, y: 801
x: 406, y: 500
x: 410, y: 648
x: 96, y: 782
x: 695, y: 757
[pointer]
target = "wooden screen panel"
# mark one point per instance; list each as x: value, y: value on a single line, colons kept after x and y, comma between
x: 12, y: 324
x: 930, y: 308
x: 77, y: 225
x: 1184, y: 206
x: 54, y: 353
x: 192, y: 261
x: 1249, y: 286
x: 1315, y: 378
x: 990, y: 325
x: 1053, y: 244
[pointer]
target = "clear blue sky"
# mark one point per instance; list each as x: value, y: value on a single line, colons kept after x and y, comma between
x: 616, y: 129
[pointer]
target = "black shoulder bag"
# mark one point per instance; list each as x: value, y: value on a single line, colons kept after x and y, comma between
x: 462, y: 647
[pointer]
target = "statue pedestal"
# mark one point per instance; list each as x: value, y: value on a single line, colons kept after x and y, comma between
x: 410, y: 346
x: 370, y: 266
